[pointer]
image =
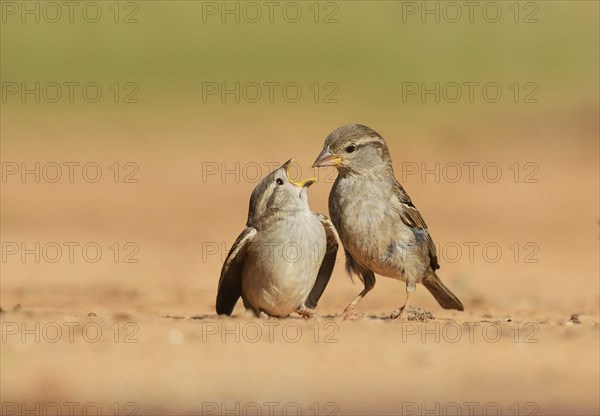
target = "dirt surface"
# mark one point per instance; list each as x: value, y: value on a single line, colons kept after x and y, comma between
x: 135, y: 331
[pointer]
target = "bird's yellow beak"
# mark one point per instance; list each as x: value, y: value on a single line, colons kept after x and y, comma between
x: 327, y: 159
x: 302, y: 184
x: 305, y: 183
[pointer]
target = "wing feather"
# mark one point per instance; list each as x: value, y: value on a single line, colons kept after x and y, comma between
x: 411, y: 217
x: 230, y: 282
x: 328, y: 262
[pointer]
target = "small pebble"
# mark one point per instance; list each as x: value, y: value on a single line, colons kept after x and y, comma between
x: 418, y: 314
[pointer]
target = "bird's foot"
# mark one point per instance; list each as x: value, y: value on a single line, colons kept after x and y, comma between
x: 349, y: 315
x: 400, y: 313
x: 306, y: 314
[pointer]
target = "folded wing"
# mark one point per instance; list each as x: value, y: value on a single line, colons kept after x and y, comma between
x: 328, y: 262
x: 230, y: 282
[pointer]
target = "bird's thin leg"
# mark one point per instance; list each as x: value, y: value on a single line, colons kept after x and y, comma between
x: 368, y: 278
x: 348, y: 311
x: 403, y: 311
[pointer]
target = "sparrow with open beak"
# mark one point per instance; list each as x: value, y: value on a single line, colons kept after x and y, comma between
x: 380, y: 228
x: 282, y: 261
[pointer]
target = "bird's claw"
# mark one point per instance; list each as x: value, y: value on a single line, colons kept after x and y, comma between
x: 306, y: 314
x: 400, y: 313
x: 349, y: 315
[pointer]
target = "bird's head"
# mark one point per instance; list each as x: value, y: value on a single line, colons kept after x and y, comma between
x: 354, y: 148
x: 277, y: 194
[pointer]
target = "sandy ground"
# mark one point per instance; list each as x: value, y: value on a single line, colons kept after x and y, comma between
x: 135, y: 332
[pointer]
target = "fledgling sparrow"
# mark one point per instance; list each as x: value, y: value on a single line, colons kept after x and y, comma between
x: 282, y: 261
x: 381, y: 230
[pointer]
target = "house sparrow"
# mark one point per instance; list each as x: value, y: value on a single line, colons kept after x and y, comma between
x: 381, y: 230
x: 282, y: 262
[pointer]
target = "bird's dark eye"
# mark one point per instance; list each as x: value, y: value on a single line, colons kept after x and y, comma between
x: 279, y: 181
x: 350, y: 148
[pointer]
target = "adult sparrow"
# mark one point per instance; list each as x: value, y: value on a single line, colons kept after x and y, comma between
x: 380, y: 228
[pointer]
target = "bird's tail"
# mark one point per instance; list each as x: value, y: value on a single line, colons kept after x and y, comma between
x: 441, y: 293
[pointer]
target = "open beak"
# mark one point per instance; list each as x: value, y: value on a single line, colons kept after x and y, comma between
x: 302, y: 184
x: 305, y: 183
x: 327, y: 159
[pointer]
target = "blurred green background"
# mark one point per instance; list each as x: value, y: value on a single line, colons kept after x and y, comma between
x: 372, y: 49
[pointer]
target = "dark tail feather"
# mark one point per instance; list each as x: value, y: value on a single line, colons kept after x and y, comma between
x: 441, y: 293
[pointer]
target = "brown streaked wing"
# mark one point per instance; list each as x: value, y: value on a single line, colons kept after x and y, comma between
x: 411, y: 217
